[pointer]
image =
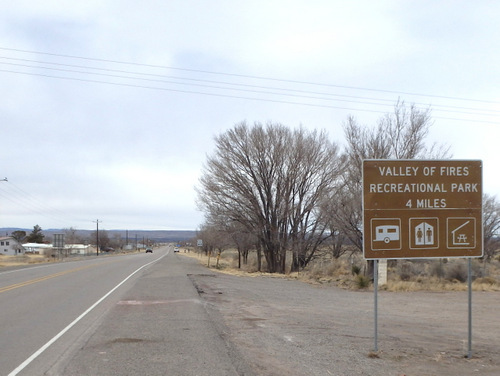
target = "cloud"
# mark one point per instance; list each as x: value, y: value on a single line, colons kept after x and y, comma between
x: 116, y: 115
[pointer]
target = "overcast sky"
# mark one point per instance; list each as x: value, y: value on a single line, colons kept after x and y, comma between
x: 110, y: 107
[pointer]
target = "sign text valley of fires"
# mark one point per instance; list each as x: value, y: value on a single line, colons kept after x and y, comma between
x: 431, y: 187
x: 422, y: 208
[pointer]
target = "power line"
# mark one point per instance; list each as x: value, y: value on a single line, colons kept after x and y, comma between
x: 225, y: 89
x: 188, y: 91
x: 29, y: 198
x: 238, y: 97
x: 21, y: 198
x: 242, y: 87
x: 247, y: 76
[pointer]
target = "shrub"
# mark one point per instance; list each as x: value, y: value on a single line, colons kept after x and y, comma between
x: 437, y: 269
x: 486, y: 281
x: 334, y: 267
x: 362, y: 282
x: 405, y: 271
x: 355, y: 269
x: 319, y: 271
x: 315, y: 272
x: 479, y: 270
x: 457, y: 272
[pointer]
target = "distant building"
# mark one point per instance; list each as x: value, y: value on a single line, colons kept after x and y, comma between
x: 48, y: 249
x: 79, y: 249
x: 38, y: 248
x: 10, y: 246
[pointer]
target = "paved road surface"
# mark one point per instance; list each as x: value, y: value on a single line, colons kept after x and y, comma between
x: 154, y: 323
x: 175, y: 317
x: 40, y: 301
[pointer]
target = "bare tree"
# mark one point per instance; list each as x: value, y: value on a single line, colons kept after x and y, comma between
x: 206, y: 236
x: 117, y: 242
x: 243, y: 240
x: 19, y: 235
x: 491, y: 225
x: 104, y: 241
x: 406, y: 130
x: 271, y: 181
x: 398, y: 135
x: 215, y: 238
x: 71, y: 236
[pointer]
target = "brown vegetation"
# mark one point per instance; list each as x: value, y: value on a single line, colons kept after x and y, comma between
x: 290, y: 195
x: 350, y: 272
x: 6, y: 261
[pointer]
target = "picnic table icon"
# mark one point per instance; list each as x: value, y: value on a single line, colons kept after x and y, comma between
x: 459, y: 238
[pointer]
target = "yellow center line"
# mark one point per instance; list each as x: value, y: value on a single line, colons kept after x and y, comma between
x: 44, y: 278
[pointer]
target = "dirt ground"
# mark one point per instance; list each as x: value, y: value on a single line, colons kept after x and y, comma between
x: 288, y: 327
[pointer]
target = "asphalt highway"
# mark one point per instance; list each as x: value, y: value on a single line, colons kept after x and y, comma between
x: 167, y: 314
x: 136, y: 314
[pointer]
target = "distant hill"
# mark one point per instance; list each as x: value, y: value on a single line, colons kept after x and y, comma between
x: 157, y: 236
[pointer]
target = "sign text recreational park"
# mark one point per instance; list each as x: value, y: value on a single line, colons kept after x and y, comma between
x: 422, y: 208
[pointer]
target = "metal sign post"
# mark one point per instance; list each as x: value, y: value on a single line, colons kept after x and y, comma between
x: 469, y: 283
x: 418, y: 209
x: 375, y: 286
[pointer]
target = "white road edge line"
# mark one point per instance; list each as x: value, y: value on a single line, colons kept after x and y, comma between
x: 37, y: 353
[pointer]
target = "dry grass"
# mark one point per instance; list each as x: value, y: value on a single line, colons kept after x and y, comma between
x: 429, y: 284
x: 486, y: 284
x: 22, y: 260
x: 436, y: 285
x: 228, y: 264
x: 349, y: 273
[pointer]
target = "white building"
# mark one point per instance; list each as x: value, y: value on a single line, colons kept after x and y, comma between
x: 37, y: 248
x: 79, y: 249
x: 10, y: 246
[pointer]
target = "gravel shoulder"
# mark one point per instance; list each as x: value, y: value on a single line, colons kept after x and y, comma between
x: 287, y: 327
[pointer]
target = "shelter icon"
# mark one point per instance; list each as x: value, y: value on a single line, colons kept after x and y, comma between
x: 461, y: 232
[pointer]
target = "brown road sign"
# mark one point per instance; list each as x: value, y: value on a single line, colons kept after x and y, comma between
x: 422, y: 208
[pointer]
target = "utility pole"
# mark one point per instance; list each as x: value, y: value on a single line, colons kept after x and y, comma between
x: 5, y: 179
x: 97, y: 236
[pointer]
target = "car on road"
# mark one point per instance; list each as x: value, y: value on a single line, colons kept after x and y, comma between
x: 176, y: 249
x: 149, y: 250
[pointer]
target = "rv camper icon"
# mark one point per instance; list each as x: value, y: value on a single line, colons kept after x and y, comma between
x: 386, y: 233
